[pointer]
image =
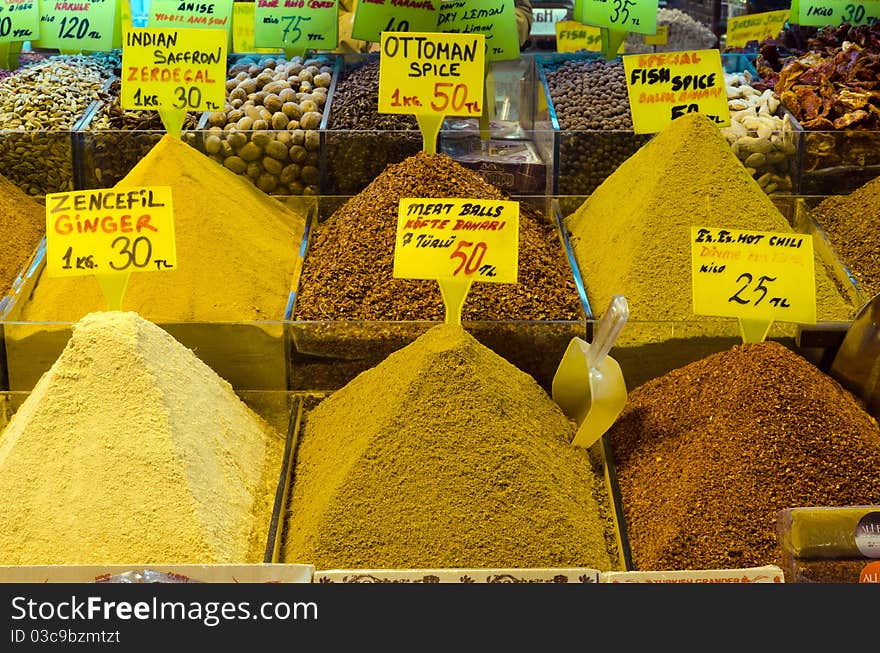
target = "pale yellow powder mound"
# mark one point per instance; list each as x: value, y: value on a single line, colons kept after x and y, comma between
x: 130, y: 450
x: 237, y: 250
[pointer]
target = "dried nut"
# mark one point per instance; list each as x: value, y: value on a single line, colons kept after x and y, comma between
x: 298, y: 137
x: 213, y: 144
x: 261, y: 139
x: 322, y: 79
x: 277, y: 150
x: 755, y: 160
x: 298, y: 154
x: 290, y: 173
x: 261, y: 124
x: 236, y: 164
x: 310, y: 120
x: 287, y: 95
x: 250, y: 152
x: 271, y: 165
x: 308, y: 105
x: 217, y: 118
x: 313, y: 141
x: 292, y: 110
x: 237, y: 140
x: 279, y: 120
x: 245, y: 124
x: 273, y: 103
x: 311, y: 175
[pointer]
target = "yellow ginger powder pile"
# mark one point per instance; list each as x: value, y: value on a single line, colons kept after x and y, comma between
x: 445, y: 455
x: 130, y: 450
x: 237, y: 250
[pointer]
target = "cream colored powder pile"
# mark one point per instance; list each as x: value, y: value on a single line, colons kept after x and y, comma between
x: 131, y: 450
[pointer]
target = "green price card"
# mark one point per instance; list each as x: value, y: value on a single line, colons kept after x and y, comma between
x: 372, y: 17
x: 496, y: 20
x: 819, y: 13
x: 77, y: 26
x: 19, y: 20
x: 296, y: 24
x: 216, y: 14
x: 625, y: 15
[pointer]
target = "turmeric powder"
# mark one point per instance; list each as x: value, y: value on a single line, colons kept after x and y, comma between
x: 237, y: 250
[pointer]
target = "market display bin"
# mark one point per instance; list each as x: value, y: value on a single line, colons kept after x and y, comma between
x: 583, y: 159
x: 597, y: 453
x: 647, y: 349
x: 279, y: 161
x: 830, y: 544
x: 325, y: 355
x: 251, y: 355
x: 508, y: 158
x: 838, y: 162
x: 104, y: 156
x: 282, y: 411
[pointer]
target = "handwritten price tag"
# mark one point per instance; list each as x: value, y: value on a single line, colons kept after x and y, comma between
x: 753, y: 275
x: 204, y: 15
x: 664, y: 86
x: 109, y: 231
x: 819, y: 13
x: 74, y: 26
x: 19, y: 20
x: 181, y: 69
x: 495, y: 20
x: 454, y: 238
x: 660, y: 38
x: 629, y: 15
x: 372, y: 17
x: 299, y: 24
x: 572, y: 36
x: 431, y: 73
x: 754, y: 27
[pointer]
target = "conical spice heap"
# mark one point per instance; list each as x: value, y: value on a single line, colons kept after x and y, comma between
x: 445, y: 455
x: 632, y: 235
x: 130, y: 450
x: 237, y: 250
x: 708, y: 454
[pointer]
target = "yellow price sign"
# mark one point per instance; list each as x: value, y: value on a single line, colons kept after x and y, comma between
x: 426, y: 73
x: 756, y: 276
x: 110, y: 231
x: 754, y: 27
x: 661, y: 37
x: 452, y: 238
x: 663, y: 86
x: 179, y: 69
x: 572, y: 36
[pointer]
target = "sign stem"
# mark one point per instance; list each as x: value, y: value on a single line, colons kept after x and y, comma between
x: 454, y: 292
x: 429, y: 124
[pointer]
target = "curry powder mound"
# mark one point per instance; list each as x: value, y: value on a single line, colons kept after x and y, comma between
x: 130, y: 450
x: 445, y: 455
x: 632, y: 235
x: 237, y: 250
x: 22, y: 225
x: 708, y: 455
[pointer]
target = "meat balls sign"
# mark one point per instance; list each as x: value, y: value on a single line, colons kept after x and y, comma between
x: 431, y: 75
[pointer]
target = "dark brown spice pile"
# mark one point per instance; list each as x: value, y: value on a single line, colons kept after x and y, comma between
x: 348, y: 271
x: 708, y: 454
x: 22, y: 225
x: 360, y: 141
x: 851, y: 223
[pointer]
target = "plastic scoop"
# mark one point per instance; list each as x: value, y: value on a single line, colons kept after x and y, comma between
x: 588, y: 384
x: 857, y: 362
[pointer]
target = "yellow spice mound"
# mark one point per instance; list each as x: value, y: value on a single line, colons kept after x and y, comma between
x: 131, y: 450
x: 237, y: 249
x: 632, y: 235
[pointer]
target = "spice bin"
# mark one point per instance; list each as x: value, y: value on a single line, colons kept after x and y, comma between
x: 326, y: 354
x: 279, y: 409
x: 251, y: 355
x: 839, y: 544
x: 41, y: 106
x: 615, y: 542
x: 109, y: 141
